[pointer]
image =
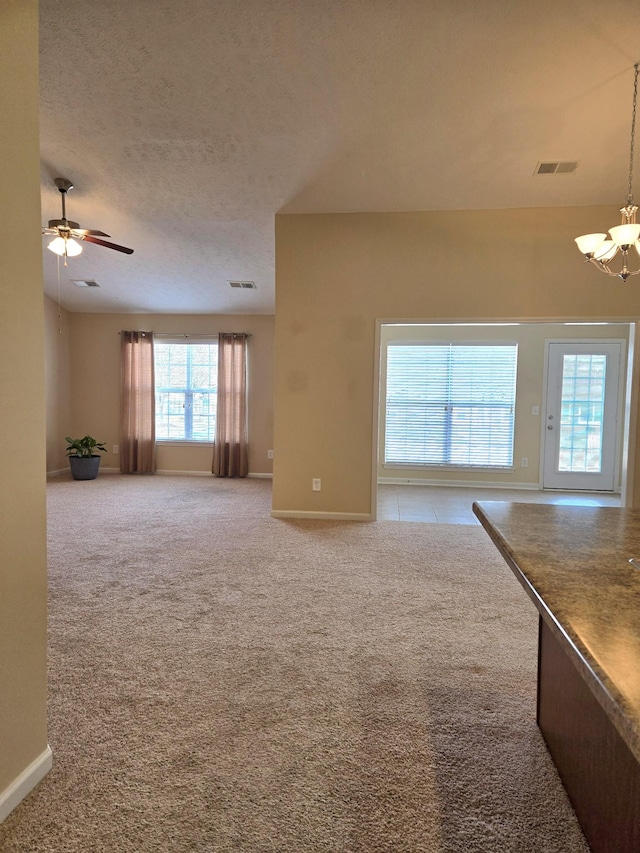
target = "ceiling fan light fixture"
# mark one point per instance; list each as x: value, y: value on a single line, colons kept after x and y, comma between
x: 73, y: 247
x: 65, y: 230
x: 56, y: 246
x: 65, y: 246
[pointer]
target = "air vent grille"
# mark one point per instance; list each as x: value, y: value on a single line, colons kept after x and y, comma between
x: 556, y: 167
x: 85, y: 282
x: 247, y: 285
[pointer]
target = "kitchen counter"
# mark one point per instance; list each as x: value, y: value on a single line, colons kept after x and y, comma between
x: 573, y: 562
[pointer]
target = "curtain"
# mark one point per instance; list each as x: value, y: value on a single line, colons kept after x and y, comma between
x: 230, y: 457
x: 137, y: 425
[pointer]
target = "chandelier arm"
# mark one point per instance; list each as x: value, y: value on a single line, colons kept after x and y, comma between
x: 604, y: 267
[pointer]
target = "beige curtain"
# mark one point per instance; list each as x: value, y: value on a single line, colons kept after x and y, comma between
x: 138, y: 424
x: 230, y: 458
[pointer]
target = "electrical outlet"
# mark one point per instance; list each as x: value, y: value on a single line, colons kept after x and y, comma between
x: 269, y: 454
x: 116, y: 448
x: 316, y: 485
x: 524, y: 462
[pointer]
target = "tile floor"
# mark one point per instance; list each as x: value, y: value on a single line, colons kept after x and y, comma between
x: 452, y: 505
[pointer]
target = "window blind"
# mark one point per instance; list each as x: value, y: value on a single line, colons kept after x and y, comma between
x: 450, y: 404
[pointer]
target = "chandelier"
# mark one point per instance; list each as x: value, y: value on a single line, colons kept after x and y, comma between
x: 600, y: 251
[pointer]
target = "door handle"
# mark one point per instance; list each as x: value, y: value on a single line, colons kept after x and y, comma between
x: 549, y: 427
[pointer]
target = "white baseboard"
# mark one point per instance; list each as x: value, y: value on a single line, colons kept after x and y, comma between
x: 167, y: 472
x: 331, y: 516
x: 58, y: 472
x: 458, y: 484
x: 25, y: 783
x: 62, y: 471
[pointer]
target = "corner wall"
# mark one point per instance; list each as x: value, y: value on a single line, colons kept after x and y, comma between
x: 24, y: 753
x: 337, y: 274
x: 58, y: 383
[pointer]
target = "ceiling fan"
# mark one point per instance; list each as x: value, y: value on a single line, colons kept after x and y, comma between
x: 66, y: 233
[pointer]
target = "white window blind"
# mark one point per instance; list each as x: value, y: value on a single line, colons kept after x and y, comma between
x: 450, y: 404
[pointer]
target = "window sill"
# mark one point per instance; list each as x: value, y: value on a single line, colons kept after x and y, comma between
x: 177, y: 442
x: 401, y: 466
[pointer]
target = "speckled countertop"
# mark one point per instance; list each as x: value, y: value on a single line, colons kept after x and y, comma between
x: 573, y: 561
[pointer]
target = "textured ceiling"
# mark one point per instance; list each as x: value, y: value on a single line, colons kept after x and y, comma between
x: 186, y: 125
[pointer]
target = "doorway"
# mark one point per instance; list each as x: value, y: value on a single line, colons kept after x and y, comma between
x: 581, y: 427
x: 528, y: 457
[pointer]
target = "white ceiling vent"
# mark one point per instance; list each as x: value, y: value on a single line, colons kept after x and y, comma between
x: 247, y: 285
x: 566, y: 167
x: 85, y: 282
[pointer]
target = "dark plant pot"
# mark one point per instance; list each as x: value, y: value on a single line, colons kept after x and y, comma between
x: 84, y: 467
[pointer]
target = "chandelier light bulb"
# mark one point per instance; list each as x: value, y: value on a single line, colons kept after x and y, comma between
x: 625, y: 235
x: 606, y: 251
x: 588, y: 243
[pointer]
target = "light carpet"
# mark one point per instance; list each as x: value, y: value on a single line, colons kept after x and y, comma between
x: 224, y: 681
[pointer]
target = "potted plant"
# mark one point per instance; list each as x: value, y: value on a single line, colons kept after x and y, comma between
x: 83, y: 461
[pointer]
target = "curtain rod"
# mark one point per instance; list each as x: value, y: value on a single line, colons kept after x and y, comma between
x: 194, y: 334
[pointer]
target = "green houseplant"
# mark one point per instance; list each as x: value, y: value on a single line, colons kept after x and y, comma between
x: 83, y: 460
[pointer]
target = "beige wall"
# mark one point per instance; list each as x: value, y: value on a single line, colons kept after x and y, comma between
x: 530, y: 338
x: 58, y: 383
x: 95, y: 382
x: 336, y: 274
x: 23, y: 592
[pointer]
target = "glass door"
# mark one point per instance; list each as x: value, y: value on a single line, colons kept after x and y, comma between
x: 581, y: 415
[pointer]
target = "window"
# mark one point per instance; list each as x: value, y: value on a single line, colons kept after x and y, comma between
x: 450, y: 404
x: 582, y: 413
x: 186, y: 390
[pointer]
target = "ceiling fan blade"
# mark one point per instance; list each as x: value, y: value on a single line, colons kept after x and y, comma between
x: 90, y: 239
x: 79, y: 232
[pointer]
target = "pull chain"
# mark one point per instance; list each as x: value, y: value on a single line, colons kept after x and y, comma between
x: 59, y: 307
